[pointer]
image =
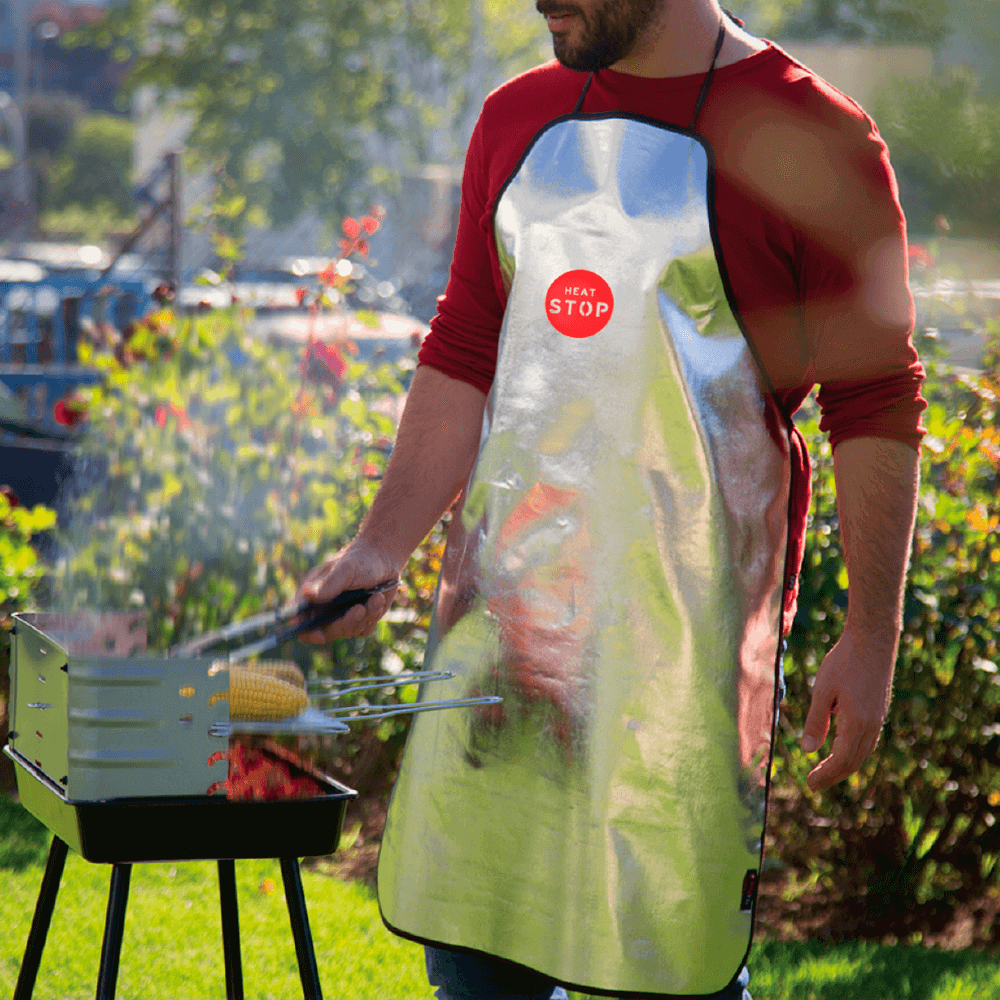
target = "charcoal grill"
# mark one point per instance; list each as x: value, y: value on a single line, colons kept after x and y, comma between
x: 112, y: 750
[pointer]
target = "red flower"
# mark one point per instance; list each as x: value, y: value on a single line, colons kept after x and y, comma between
x: 328, y: 275
x: 370, y: 224
x: 300, y: 294
x: 351, y: 227
x: 183, y: 420
x: 178, y: 412
x: 164, y: 293
x: 920, y: 256
x: 370, y: 469
x: 69, y: 411
x: 323, y: 364
x: 363, y: 247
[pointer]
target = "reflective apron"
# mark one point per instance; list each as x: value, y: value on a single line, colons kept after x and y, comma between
x: 615, y: 571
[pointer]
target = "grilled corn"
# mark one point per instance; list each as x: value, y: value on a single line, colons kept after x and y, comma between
x: 264, y: 691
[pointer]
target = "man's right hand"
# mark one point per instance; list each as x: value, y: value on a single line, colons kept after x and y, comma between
x: 435, y: 448
x: 356, y: 567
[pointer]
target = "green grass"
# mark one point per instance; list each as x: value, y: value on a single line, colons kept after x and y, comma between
x: 173, y: 946
x: 862, y: 970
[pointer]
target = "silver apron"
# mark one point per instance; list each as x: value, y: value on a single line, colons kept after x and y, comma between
x: 615, y: 573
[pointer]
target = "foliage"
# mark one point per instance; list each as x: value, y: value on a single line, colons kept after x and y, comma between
x: 912, y: 22
x: 22, y: 576
x: 81, y: 165
x: 945, y: 146
x: 217, y: 469
x: 21, y: 572
x: 896, y: 847
x: 52, y: 120
x: 101, y: 222
x: 96, y: 165
x: 314, y: 104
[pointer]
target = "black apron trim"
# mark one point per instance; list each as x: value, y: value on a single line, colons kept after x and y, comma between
x: 574, y: 987
x: 583, y: 94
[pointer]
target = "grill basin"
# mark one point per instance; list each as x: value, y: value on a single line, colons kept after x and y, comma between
x: 185, y: 828
x: 112, y: 751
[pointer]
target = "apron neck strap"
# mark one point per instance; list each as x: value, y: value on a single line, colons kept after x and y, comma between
x: 708, y: 76
x: 704, y: 87
x: 583, y: 93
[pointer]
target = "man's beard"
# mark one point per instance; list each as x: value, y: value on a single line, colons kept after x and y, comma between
x: 609, y: 32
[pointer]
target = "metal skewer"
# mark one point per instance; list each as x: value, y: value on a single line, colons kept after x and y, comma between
x: 330, y: 721
x: 321, y: 687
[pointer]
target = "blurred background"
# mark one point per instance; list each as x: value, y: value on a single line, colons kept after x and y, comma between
x: 224, y: 225
x: 284, y: 121
x: 223, y: 135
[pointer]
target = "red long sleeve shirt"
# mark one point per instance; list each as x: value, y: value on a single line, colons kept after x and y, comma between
x: 810, y: 230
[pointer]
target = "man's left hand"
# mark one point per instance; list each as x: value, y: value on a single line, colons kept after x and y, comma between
x: 854, y: 683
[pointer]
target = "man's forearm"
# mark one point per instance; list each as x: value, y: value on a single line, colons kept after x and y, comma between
x: 435, y: 449
x: 877, y: 481
x: 877, y: 484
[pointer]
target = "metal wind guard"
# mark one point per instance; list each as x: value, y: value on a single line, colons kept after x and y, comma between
x: 615, y: 575
x: 104, y: 723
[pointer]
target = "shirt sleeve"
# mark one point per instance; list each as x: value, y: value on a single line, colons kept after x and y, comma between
x: 464, y: 335
x: 856, y: 304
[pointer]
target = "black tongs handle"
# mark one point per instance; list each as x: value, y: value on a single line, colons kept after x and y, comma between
x: 311, y: 616
x: 324, y: 614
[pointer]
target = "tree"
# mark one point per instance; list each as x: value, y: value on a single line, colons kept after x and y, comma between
x: 312, y: 104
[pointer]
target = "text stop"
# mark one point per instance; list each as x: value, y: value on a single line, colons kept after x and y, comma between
x: 579, y: 303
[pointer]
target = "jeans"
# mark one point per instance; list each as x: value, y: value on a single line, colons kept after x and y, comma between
x: 460, y: 975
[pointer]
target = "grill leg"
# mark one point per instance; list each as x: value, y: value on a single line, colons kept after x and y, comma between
x: 114, y: 927
x: 230, y: 929
x: 40, y: 922
x: 308, y: 972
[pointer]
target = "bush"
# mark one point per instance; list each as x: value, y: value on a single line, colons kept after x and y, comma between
x: 22, y: 577
x: 897, y: 847
x: 217, y: 469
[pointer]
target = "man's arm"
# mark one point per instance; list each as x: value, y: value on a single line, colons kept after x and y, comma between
x: 435, y: 449
x: 877, y: 482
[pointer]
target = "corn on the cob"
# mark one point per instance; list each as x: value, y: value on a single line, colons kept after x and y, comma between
x: 257, y: 693
x: 286, y: 670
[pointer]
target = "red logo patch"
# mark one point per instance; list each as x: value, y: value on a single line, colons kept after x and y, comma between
x: 579, y: 303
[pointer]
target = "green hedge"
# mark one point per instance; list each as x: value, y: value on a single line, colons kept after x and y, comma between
x: 897, y: 847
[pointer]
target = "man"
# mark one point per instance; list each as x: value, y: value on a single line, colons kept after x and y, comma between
x: 666, y: 239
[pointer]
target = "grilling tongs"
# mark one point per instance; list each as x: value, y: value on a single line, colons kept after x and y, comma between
x: 312, y: 616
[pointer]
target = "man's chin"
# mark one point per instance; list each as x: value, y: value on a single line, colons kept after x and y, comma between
x: 573, y: 58
x: 581, y: 63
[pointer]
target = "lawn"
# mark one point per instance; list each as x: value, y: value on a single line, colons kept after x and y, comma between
x: 173, y: 949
